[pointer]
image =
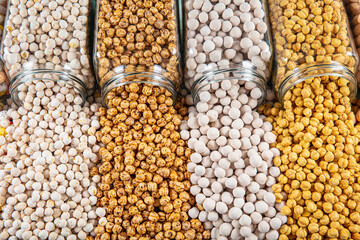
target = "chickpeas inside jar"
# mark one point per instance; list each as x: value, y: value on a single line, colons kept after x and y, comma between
x: 137, y: 41
x: 4, y: 81
x: 353, y: 11
x: 311, y: 38
x: 47, y: 40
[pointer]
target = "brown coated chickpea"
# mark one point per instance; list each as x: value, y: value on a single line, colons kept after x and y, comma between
x: 146, y: 193
x: 138, y: 35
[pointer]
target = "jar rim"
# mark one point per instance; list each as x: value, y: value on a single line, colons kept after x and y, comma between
x: 247, y: 75
x: 118, y: 80
x: 303, y: 73
x: 24, y: 76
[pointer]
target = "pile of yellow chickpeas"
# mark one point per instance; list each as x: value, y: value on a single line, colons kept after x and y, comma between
x: 320, y: 166
x: 315, y: 123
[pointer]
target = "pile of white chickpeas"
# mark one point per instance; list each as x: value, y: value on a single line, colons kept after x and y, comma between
x: 46, y: 191
x: 232, y: 168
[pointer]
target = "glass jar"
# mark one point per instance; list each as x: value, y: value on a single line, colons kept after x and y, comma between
x: 47, y: 40
x: 353, y: 11
x: 227, y: 40
x: 4, y: 81
x: 238, y: 76
x: 311, y: 39
x: 137, y: 42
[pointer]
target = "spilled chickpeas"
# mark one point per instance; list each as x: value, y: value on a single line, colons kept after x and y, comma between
x: 319, y: 160
x: 144, y: 182
x: 210, y: 165
x: 314, y: 123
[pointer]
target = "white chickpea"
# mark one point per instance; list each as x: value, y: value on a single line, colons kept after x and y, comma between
x: 234, y: 184
x: 44, y: 35
x: 45, y: 189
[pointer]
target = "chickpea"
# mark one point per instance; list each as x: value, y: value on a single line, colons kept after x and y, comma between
x: 321, y: 192
x: 307, y: 29
x: 146, y: 194
x: 138, y: 35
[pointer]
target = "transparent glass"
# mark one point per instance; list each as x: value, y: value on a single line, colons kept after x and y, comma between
x: 311, y: 39
x: 137, y: 42
x: 353, y: 11
x: 226, y: 41
x: 238, y: 76
x: 19, y: 84
x: 47, y: 40
x: 137, y: 77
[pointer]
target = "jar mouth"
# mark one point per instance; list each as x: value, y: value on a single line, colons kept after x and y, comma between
x: 239, y: 73
x: 301, y: 74
x: 137, y: 77
x: 30, y: 75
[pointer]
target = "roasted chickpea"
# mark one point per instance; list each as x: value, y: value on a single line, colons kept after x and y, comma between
x: 138, y: 35
x: 145, y: 192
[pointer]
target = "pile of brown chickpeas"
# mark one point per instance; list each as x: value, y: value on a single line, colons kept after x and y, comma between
x: 144, y: 184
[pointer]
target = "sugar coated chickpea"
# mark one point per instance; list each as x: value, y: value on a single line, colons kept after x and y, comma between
x: 234, y: 183
x: 223, y: 34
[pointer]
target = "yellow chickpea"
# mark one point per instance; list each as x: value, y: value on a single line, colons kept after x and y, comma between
x: 317, y: 161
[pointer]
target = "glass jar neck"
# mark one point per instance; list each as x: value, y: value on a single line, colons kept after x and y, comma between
x: 301, y: 74
x: 137, y: 77
x: 238, y: 73
x: 45, y: 75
